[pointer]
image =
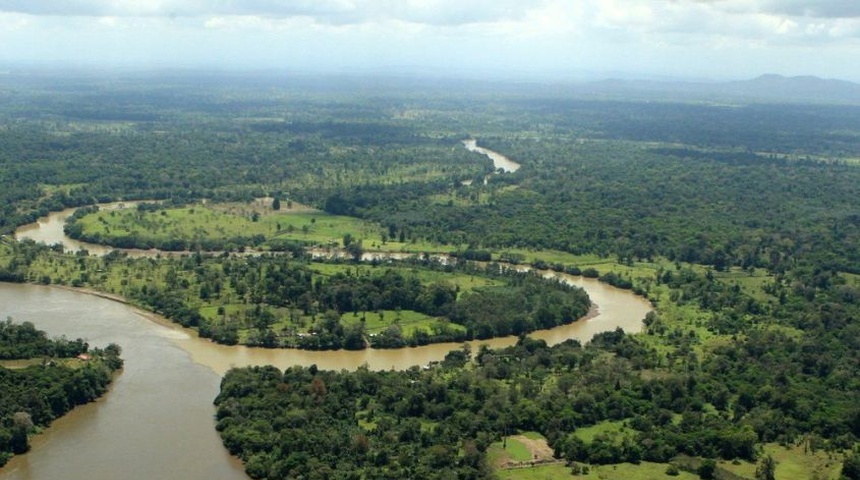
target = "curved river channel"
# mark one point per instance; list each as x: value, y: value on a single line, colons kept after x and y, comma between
x: 157, y: 419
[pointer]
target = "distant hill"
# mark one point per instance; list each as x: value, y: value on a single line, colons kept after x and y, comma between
x: 766, y: 88
x: 801, y: 89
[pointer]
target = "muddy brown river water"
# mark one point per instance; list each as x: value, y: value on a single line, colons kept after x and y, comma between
x: 156, y: 422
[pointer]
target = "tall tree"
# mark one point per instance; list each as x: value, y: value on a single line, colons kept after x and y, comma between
x: 766, y: 469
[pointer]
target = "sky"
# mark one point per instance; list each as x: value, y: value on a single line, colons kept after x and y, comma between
x: 556, y: 39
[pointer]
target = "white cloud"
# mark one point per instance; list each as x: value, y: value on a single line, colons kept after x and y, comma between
x: 433, y: 12
x: 814, y: 8
x: 687, y: 36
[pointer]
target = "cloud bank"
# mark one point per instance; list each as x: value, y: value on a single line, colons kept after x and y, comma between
x: 431, y: 12
x: 686, y: 37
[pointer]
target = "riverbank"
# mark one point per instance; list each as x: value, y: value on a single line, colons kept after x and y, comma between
x: 138, y: 309
x: 155, y: 421
x: 611, y: 308
x: 594, y: 312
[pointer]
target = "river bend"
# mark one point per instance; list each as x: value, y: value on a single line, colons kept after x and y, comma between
x: 157, y: 419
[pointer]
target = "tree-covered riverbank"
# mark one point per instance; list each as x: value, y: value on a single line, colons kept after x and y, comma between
x: 42, y: 379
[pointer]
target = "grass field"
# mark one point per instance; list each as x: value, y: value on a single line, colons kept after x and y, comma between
x: 225, y: 221
x: 624, y: 471
x: 221, y: 222
x: 409, y: 321
x: 16, y: 364
x: 519, y: 449
x: 750, y: 282
x: 612, y: 430
x: 793, y: 462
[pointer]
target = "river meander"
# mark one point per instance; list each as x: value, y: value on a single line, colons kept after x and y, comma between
x: 157, y: 419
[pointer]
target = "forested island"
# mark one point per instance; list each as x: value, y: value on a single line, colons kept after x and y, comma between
x: 739, y: 222
x: 42, y: 379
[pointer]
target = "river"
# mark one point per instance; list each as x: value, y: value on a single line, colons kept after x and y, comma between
x: 156, y: 421
x: 500, y: 162
x: 49, y: 230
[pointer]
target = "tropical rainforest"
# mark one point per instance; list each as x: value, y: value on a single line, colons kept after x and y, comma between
x: 267, y: 199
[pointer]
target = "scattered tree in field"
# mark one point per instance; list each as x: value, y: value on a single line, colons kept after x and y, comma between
x: 766, y: 470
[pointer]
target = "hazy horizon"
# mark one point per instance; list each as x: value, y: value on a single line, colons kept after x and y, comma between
x: 708, y: 40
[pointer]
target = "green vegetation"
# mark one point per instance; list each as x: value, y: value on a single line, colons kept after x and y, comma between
x: 623, y: 471
x: 278, y: 301
x: 50, y: 378
x: 738, y: 222
x: 217, y: 227
x: 24, y: 341
x: 657, y: 409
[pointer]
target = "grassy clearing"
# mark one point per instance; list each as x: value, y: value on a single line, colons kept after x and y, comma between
x: 225, y: 221
x: 624, y: 471
x: 512, y: 451
x: 18, y: 364
x: 541, y: 472
x: 222, y: 222
x: 519, y: 449
x: 614, y: 430
x: 555, y: 256
x: 751, y: 282
x: 793, y: 462
x: 376, y: 322
x: 416, y: 246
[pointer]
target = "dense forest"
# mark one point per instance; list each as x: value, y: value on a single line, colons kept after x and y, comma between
x: 766, y: 386
x: 46, y: 378
x: 740, y: 222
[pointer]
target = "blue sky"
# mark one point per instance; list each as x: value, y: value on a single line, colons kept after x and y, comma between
x: 693, y: 39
